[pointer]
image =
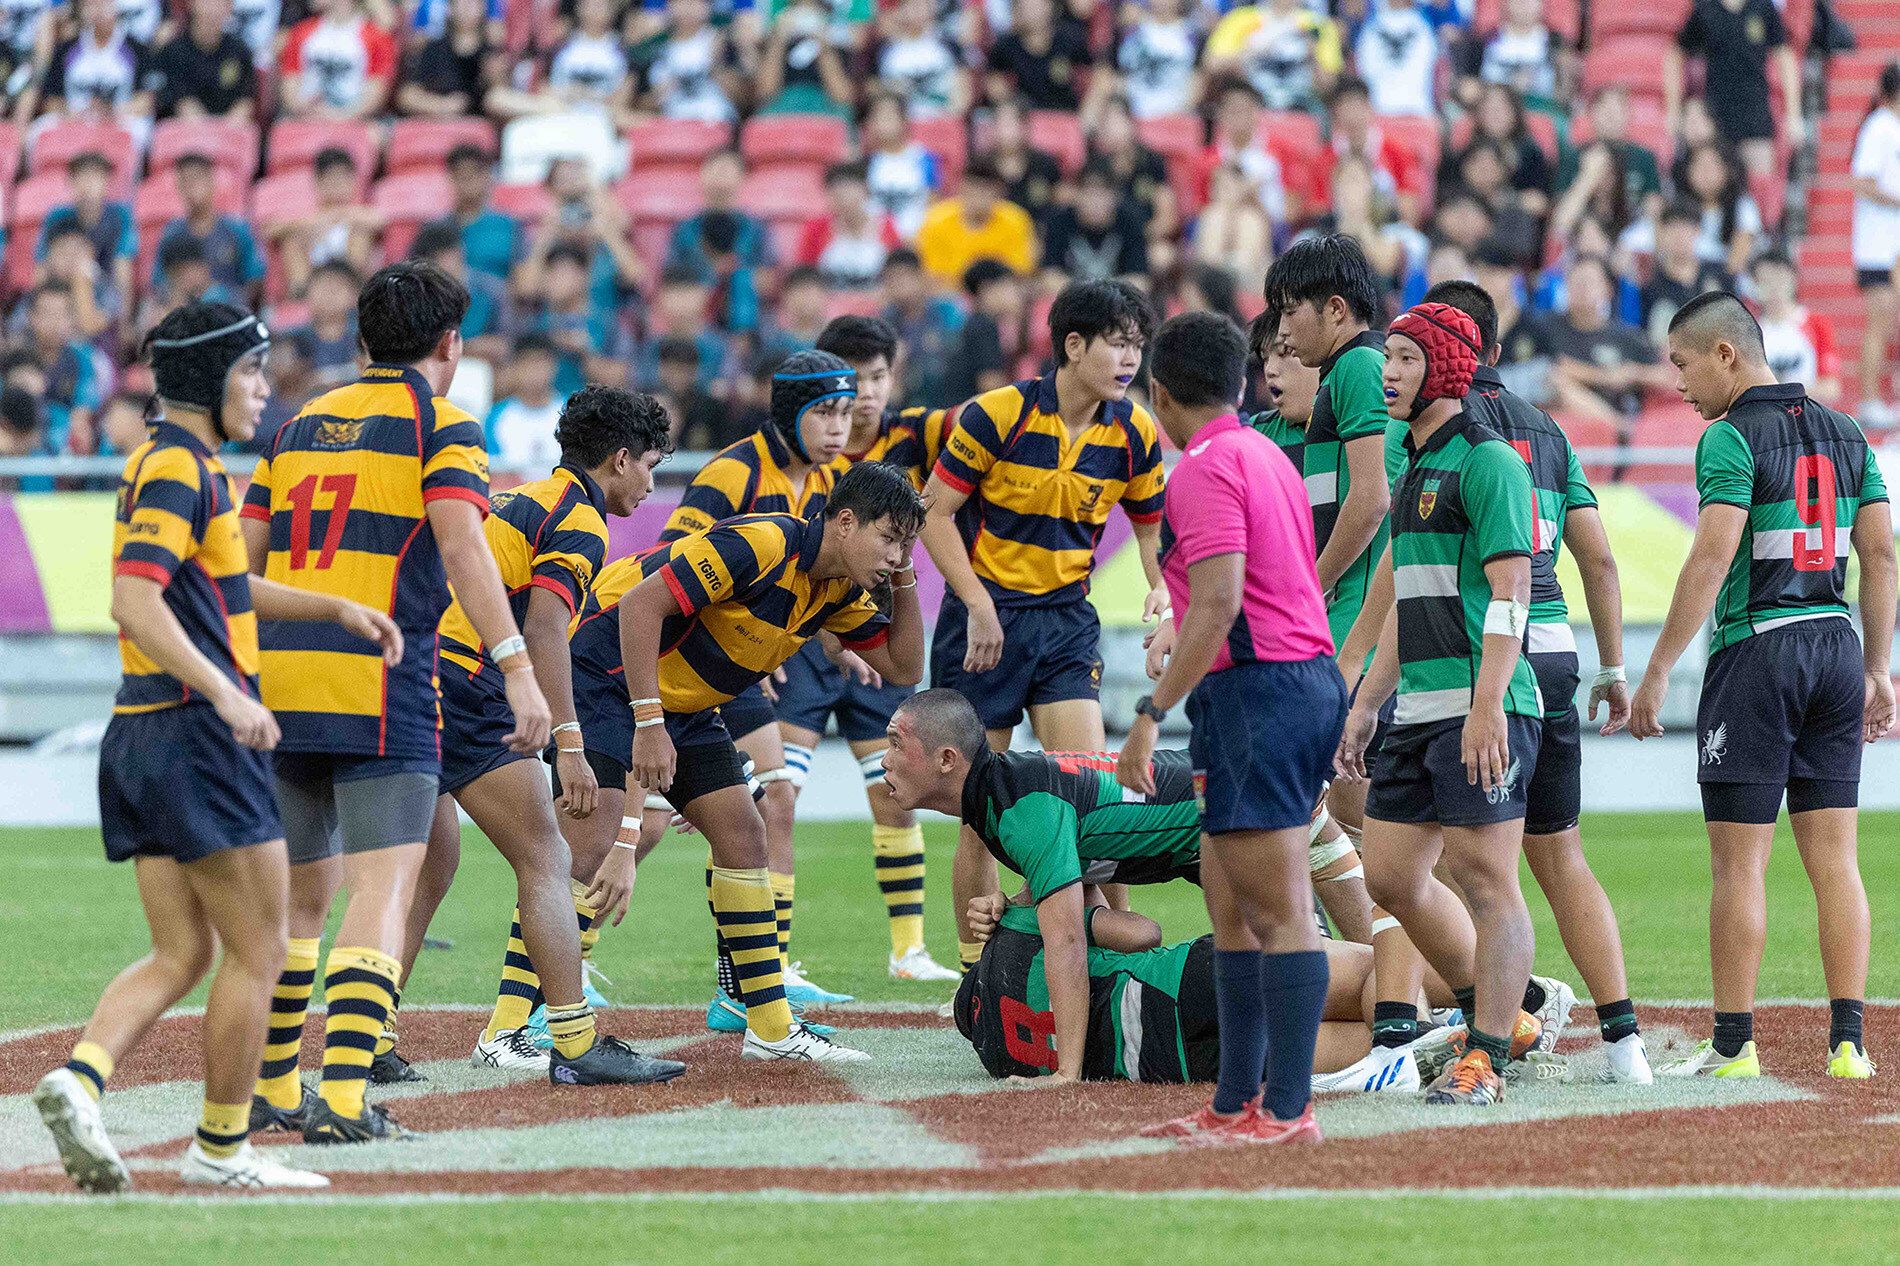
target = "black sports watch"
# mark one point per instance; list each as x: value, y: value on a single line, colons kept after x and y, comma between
x: 1145, y: 707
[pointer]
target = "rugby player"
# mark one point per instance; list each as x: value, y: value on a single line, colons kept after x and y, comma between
x: 1789, y: 697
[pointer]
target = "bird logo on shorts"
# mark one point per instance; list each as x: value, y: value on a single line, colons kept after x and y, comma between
x: 1715, y: 745
x: 1506, y: 785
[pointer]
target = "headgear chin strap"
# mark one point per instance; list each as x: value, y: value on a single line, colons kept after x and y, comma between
x: 801, y: 382
x: 194, y: 350
x: 1449, y: 339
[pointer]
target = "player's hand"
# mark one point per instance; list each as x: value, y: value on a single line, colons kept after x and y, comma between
x: 1485, y: 746
x: 769, y: 685
x: 1155, y: 604
x: 1617, y: 695
x: 983, y: 639
x: 1646, y: 707
x: 857, y: 670
x: 1160, y: 645
x: 653, y: 759
x: 983, y: 915
x: 1135, y: 768
x: 533, y: 720
x: 251, y: 722
x: 580, y: 790
x: 612, y: 888
x: 1349, y: 762
x: 1047, y: 1081
x: 1878, y: 718
x: 372, y: 626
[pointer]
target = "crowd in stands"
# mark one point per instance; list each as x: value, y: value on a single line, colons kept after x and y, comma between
x: 675, y: 194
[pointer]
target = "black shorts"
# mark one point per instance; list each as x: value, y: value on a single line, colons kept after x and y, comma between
x: 476, y: 723
x: 1262, y: 740
x: 1420, y: 776
x: 175, y: 783
x: 816, y: 690
x: 1873, y: 278
x: 1050, y: 654
x: 609, y: 773
x: 1741, y: 116
x: 708, y: 760
x: 1783, y: 705
x: 1555, y: 798
x: 750, y: 710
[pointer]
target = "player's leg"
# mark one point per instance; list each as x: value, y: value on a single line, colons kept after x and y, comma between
x: 1483, y: 859
x: 1883, y: 304
x: 1064, y: 696
x: 972, y: 874
x: 1586, y: 922
x: 1339, y: 877
x: 308, y: 806
x: 1738, y: 906
x: 439, y: 864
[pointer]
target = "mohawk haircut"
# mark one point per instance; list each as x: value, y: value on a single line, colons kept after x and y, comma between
x: 943, y: 718
x: 1719, y: 316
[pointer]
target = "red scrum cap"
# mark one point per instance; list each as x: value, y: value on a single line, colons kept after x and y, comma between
x: 1449, y: 339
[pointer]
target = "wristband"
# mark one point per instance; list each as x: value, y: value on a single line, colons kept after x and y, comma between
x: 565, y: 726
x: 649, y: 723
x: 1506, y: 617
x: 911, y: 585
x: 629, y: 835
x: 507, y: 647
x: 1610, y: 674
x: 647, y: 712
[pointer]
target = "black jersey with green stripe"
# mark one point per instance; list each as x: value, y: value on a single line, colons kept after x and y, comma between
x: 1290, y: 436
x: 1465, y: 501
x: 1060, y: 818
x: 1802, y: 471
x: 1139, y: 1028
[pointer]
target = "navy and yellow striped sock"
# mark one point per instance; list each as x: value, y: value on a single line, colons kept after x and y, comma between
x: 742, y: 903
x: 223, y: 1128
x: 572, y: 1029
x: 386, y: 1040
x: 93, y: 1065
x: 586, y: 914
x: 359, y: 985
x: 783, y: 888
x: 898, y: 854
x: 520, y: 989
x: 968, y: 952
x: 722, y: 959
x: 289, y: 1002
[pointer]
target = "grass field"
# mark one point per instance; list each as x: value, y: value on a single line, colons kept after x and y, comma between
x: 69, y: 920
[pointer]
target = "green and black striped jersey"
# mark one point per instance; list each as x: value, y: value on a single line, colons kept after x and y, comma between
x: 1802, y: 471
x: 1465, y: 501
x: 1290, y: 436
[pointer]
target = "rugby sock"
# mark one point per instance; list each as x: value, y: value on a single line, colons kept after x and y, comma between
x: 359, y: 985
x: 386, y: 1040
x: 742, y: 903
x: 1534, y: 996
x: 277, y: 1078
x: 1844, y: 1023
x: 515, y: 997
x: 93, y: 1064
x: 1293, y: 998
x: 1243, y: 1028
x: 1467, y: 1000
x: 783, y: 887
x: 1394, y: 1023
x: 1732, y: 1030
x: 572, y: 1029
x: 722, y: 960
x: 1617, y: 1020
x: 968, y: 952
x: 898, y: 854
x: 1498, y: 1048
x: 590, y: 934
x: 223, y: 1128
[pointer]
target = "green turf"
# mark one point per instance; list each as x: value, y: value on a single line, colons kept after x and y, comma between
x: 73, y: 920
x: 1551, y: 1231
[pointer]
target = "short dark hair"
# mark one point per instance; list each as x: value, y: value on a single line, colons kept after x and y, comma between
x: 764, y: 363
x: 837, y: 173
x: 719, y: 231
x: 1776, y: 256
x: 1201, y: 358
x: 434, y: 239
x: 1348, y: 86
x: 90, y: 158
x: 878, y: 490
x: 1098, y: 170
x: 571, y: 251
x: 598, y: 421
x: 59, y: 288
x: 180, y: 251
x: 1596, y: 261
x: 194, y: 159
x: 982, y: 273
x: 984, y: 168
x: 943, y: 718
x: 1681, y: 209
x: 1719, y: 315
x: 1492, y: 253
x: 1236, y: 84
x: 339, y: 268
x: 803, y: 275
x: 19, y: 410
x: 859, y: 339
x: 139, y: 401
x: 72, y: 228
x: 1319, y: 268
x: 405, y: 309
x: 1262, y: 332
x: 1096, y: 309
x: 331, y: 157
x: 537, y: 344
x: 1475, y: 302
x: 468, y: 152
x: 678, y: 351
x: 902, y: 257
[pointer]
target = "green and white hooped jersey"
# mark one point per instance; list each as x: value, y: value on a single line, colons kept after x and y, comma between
x: 1350, y: 406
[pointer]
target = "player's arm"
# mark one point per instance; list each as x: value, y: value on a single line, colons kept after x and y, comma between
x: 138, y: 607
x: 898, y: 657
x: 1873, y: 542
x: 1487, y: 748
x: 645, y: 608
x: 1364, y: 635
x: 1589, y: 545
x: 1363, y: 509
x: 274, y: 601
x: 1065, y: 966
x: 1142, y: 502
x: 1122, y: 930
x: 1148, y: 545
x: 1217, y: 584
x: 544, y: 625
x: 1380, y: 680
x: 983, y: 646
x: 972, y: 875
x: 457, y: 524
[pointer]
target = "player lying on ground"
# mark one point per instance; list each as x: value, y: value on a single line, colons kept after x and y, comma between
x: 184, y: 782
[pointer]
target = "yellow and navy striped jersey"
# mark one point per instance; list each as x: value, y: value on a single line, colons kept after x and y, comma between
x: 895, y: 443
x: 917, y: 440
x: 177, y: 524
x: 549, y: 534
x: 748, y: 477
x: 345, y: 487
x: 1045, y: 498
x: 747, y: 602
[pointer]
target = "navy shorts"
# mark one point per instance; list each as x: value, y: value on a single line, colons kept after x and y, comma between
x: 1783, y: 705
x: 1262, y: 742
x: 476, y: 723
x: 748, y: 711
x: 174, y: 783
x: 1555, y: 798
x: 1420, y: 776
x: 1050, y: 654
x: 816, y: 690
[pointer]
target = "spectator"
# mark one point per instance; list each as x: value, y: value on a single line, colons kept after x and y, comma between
x: 1633, y: 166
x: 1524, y: 349
x: 107, y: 223
x: 976, y: 224
x: 1397, y: 52
x: 802, y: 68
x: 182, y: 275
x: 1590, y: 236
x: 590, y: 219
x: 338, y: 227
x: 21, y: 435
x: 97, y: 303
x: 1100, y: 237
x: 1522, y: 54
x: 1031, y: 177
x: 1731, y: 222
x: 337, y: 64
x: 803, y: 309
x: 903, y: 174
x: 322, y: 352
x: 433, y: 17
x: 206, y: 71
x: 1800, y: 342
x: 441, y: 244
x: 1232, y: 229
x: 1735, y: 38
x: 76, y: 380
x: 256, y: 22
x: 1601, y: 190
x: 1483, y: 170
x: 1041, y: 58
x: 926, y: 325
x: 1396, y: 172
x: 992, y: 339
x: 145, y: 21
x: 1141, y: 173
x: 122, y: 425
x: 849, y: 243
x: 1499, y: 117
x: 452, y: 73
x: 101, y: 74
x: 27, y: 30
x: 1287, y: 50
x: 1876, y: 238
x: 733, y: 298
x: 1463, y: 217
x: 520, y: 427
x: 491, y: 240
x: 679, y: 311
x: 1603, y: 365
x: 1238, y: 143
x: 19, y: 86
x: 1156, y: 59
x: 752, y: 394
x: 561, y: 306
x: 1210, y: 288
x: 591, y: 69
x: 698, y: 421
x: 922, y: 67
x: 230, y: 249
x: 1679, y: 273
x: 1361, y: 212
x: 720, y: 176
x: 692, y: 69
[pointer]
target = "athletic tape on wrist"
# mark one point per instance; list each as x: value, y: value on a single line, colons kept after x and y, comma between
x: 629, y: 834
x: 872, y: 767
x: 797, y: 764
x: 1609, y: 675
x: 565, y: 726
x: 1384, y: 923
x: 507, y: 647
x: 1506, y: 617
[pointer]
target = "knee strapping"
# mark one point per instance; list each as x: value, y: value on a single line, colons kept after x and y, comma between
x: 872, y: 767
x: 797, y: 765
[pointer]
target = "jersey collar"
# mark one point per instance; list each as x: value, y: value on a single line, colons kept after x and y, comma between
x: 775, y: 447
x: 171, y: 433
x: 810, y: 537
x: 1043, y: 392
x: 1365, y: 338
x: 587, y: 485
x: 1454, y: 425
x: 1486, y: 375
x: 973, y: 797
x: 1774, y: 391
x: 381, y: 372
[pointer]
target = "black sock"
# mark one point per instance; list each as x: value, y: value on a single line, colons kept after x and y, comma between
x: 1467, y: 1000
x: 1844, y: 1023
x: 1534, y: 996
x: 1732, y: 1029
x: 1617, y: 1020
x: 1393, y: 1023
x: 1498, y: 1048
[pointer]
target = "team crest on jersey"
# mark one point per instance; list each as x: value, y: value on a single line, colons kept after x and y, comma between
x: 1428, y: 500
x: 1715, y: 744
x: 337, y: 433
x: 498, y: 501
x: 1507, y: 785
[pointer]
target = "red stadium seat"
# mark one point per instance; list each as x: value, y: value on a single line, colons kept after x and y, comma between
x: 424, y: 144
x: 10, y: 154
x: 771, y: 139
x: 945, y: 137
x: 528, y: 203
x: 230, y: 146
x: 408, y: 201
x: 783, y: 193
x: 1663, y: 17
x: 1417, y: 136
x: 1173, y: 136
x: 675, y: 142
x: 64, y: 141
x: 295, y: 143
x: 28, y: 205
x: 661, y: 194
x: 651, y: 241
x: 283, y: 193
x: 1565, y: 17
x: 1634, y: 61
x: 1293, y: 138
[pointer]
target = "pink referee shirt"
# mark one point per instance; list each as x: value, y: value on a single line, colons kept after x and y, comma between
x: 1235, y: 492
